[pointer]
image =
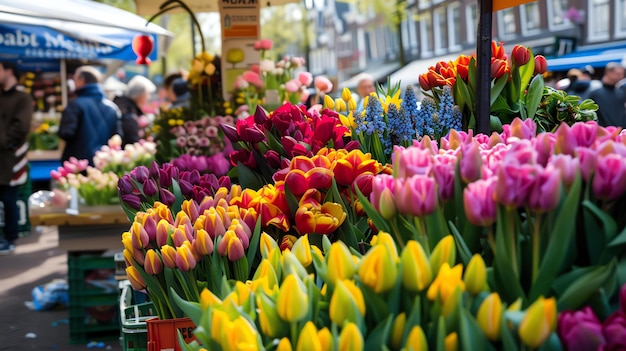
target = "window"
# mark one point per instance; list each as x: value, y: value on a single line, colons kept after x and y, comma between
x: 530, y: 18
x: 426, y: 34
x: 471, y: 13
x: 424, y: 4
x: 598, y: 20
x: 507, y: 27
x: 620, y: 19
x: 556, y: 13
x: 441, y: 39
x: 454, y: 30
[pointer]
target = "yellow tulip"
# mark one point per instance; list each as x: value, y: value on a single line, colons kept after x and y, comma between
x: 291, y: 265
x: 292, y: 302
x: 219, y: 320
x: 346, y: 94
x: 340, y: 105
x: 350, y: 338
x: 302, y: 250
x: 446, y: 282
x: 239, y: 335
x: 397, y: 330
x: 445, y: 251
x: 284, y: 345
x: 270, y: 322
x: 208, y: 299
x: 346, y: 302
x: 135, y: 278
x: 308, y: 340
x: 416, y: 341
x: 329, y: 102
x: 339, y: 262
x: 266, y: 270
x: 239, y: 295
x: 416, y: 272
x: 326, y: 339
x: 127, y: 241
x: 378, y: 269
x: 453, y: 302
x: 385, y: 239
x: 451, y: 342
x: 267, y: 245
x: 352, y: 105
x: 475, y: 275
x: 489, y: 316
x: 538, y: 322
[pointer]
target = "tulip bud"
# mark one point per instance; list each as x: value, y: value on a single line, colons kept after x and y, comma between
x: 208, y: 299
x: 538, y: 322
x: 350, y: 338
x: 416, y: 271
x: 351, y: 105
x: 266, y: 270
x: 416, y: 339
x: 447, y: 280
x: 284, y: 345
x: 347, y: 303
x: 520, y: 55
x: 340, y: 105
x: 378, y: 269
x: 326, y: 339
x: 267, y: 245
x: 340, y: 263
x: 270, y: 322
x: 489, y: 316
x: 346, y: 94
x: 135, y: 278
x: 541, y: 64
x: 451, y: 342
x: 444, y: 252
x: 308, y: 340
x: 329, y: 102
x: 127, y: 241
x: 168, y: 253
x: 302, y: 250
x: 139, y: 236
x: 149, y: 188
x: 185, y: 261
x: 152, y: 264
x: 202, y: 244
x: 397, y: 330
x: 231, y: 246
x: 292, y: 301
x: 471, y: 162
x: 475, y: 275
x: 387, y: 204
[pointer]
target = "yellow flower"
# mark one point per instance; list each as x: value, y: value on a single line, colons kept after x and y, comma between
x: 397, y: 330
x: 489, y: 316
x: 267, y: 245
x: 308, y: 340
x: 348, y: 121
x: 284, y: 345
x: 266, y: 270
x: 208, y: 299
x: 302, y: 250
x: 326, y: 339
x: 239, y: 335
x: 346, y: 94
x: 347, y: 301
x: 350, y: 338
x: 538, y: 322
x: 340, y: 263
x: 416, y: 341
x: 451, y: 342
x: 416, y: 272
x: 329, y: 102
x: 340, y: 105
x: 386, y: 240
x: 270, y: 322
x: 446, y: 281
x: 445, y: 251
x: 475, y: 275
x: 378, y: 269
x: 388, y: 100
x: 292, y: 302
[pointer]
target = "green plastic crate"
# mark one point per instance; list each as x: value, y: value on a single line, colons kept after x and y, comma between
x: 90, y: 273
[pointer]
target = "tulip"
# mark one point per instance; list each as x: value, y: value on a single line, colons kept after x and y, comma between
x: 139, y: 236
x: 127, y: 241
x: 378, y: 269
x: 231, y: 246
x: 451, y: 342
x: 208, y: 299
x: 268, y: 244
x: 387, y: 240
x: 397, y: 330
x: 520, y: 55
x: 313, y: 218
x: 326, y: 339
x: 514, y: 182
x: 416, y: 271
x: 350, y: 338
x: 185, y: 261
x: 323, y: 84
x: 489, y: 316
x: 379, y: 184
x: 541, y: 64
x: 308, y: 340
x: 131, y: 200
x: 292, y: 301
x: 202, y: 244
x: 153, y: 264
x: 317, y: 178
x: 149, y: 188
x: 286, y: 243
x: 284, y: 345
x: 167, y: 197
x: 609, y: 181
x: 475, y: 277
x: 329, y: 102
x: 266, y: 270
x: 418, y: 196
x: 302, y: 250
x: 305, y: 78
x: 546, y: 192
x: 478, y: 200
x: 135, y: 278
x: 614, y: 330
x: 539, y: 322
x: 340, y: 263
x: 471, y: 162
x: 497, y: 50
x: 446, y: 282
x: 580, y: 330
x: 168, y: 254
x: 499, y: 68
x: 444, y: 252
x: 347, y: 303
x: 271, y: 324
x: 239, y: 334
x: 416, y: 339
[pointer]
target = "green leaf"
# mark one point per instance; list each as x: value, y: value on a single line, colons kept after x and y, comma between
x: 471, y: 336
x: 497, y: 87
x: 247, y: 178
x: 377, y: 338
x: 526, y: 73
x: 441, y: 334
x: 495, y: 123
x: 461, y: 248
x: 253, y: 248
x: 192, y: 310
x: 377, y: 218
x: 506, y: 280
x: 534, y: 95
x: 580, y: 291
x: 562, y: 234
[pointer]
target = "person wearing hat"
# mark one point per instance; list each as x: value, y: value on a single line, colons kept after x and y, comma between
x: 137, y: 94
x: 15, y: 118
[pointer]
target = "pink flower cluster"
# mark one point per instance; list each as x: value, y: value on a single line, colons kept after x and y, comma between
x: 201, y: 137
x: 515, y: 168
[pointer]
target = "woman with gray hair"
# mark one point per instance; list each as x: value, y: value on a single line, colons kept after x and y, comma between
x: 137, y: 94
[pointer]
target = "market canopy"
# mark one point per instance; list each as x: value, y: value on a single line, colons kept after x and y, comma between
x: 597, y: 58
x: 151, y: 7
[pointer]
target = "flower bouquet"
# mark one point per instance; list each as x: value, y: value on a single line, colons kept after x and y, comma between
x: 112, y: 158
x: 94, y: 188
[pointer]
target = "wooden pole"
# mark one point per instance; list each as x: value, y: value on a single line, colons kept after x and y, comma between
x: 483, y: 63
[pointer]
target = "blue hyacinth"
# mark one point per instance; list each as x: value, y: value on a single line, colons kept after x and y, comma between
x: 401, y: 127
x: 424, y: 120
x: 449, y: 117
x: 409, y: 106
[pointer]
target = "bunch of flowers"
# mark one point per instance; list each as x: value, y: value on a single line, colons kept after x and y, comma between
x: 271, y: 82
x: 512, y: 197
x: 95, y: 188
x: 45, y: 137
x: 112, y: 158
x: 194, y: 248
x: 217, y: 164
x: 266, y: 142
x: 304, y: 298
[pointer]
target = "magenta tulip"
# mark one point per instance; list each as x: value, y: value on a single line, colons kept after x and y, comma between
x: 614, y: 330
x: 417, y: 196
x: 609, y: 181
x: 546, y: 192
x: 565, y: 140
x: 471, y: 161
x: 379, y: 184
x: 585, y: 133
x: 544, y: 146
x: 412, y: 161
x: 478, y: 202
x: 514, y: 182
x: 580, y: 330
x: 443, y: 171
x: 567, y: 166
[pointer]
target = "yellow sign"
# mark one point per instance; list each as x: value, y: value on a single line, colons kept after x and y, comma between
x: 505, y: 4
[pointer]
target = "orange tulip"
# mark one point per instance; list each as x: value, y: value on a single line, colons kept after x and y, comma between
x: 355, y: 163
x: 311, y: 217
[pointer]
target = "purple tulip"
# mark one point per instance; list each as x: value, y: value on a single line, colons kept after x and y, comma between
x: 131, y: 200
x: 471, y: 162
x: 609, y: 181
x: 544, y: 145
x: 150, y: 225
x: 480, y: 207
x: 141, y: 173
x: 443, y: 171
x: 230, y: 132
x: 185, y: 187
x: 417, y: 196
x: 260, y: 115
x: 167, y: 197
x: 153, y: 171
x: 546, y: 192
x: 614, y: 330
x: 124, y: 185
x: 580, y: 330
x: 149, y: 188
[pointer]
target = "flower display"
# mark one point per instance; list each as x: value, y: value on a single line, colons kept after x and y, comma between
x: 45, y: 137
x: 112, y: 158
x: 95, y: 187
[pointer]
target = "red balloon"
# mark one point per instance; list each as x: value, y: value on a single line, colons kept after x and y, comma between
x: 142, y: 46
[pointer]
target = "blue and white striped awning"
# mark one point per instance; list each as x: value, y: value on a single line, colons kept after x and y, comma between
x: 599, y: 57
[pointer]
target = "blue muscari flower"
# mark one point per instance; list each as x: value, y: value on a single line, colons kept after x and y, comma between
x: 400, y: 124
x: 449, y: 117
x: 425, y: 123
x: 409, y: 105
x: 374, y: 116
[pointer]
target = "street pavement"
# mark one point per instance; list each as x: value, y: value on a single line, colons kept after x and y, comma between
x: 36, y: 261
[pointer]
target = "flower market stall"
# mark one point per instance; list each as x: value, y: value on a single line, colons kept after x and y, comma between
x: 392, y: 227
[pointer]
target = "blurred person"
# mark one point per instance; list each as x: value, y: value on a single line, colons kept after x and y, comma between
x: 90, y: 120
x: 611, y: 101
x: 180, y: 87
x: 15, y: 117
x: 581, y: 83
x: 364, y: 88
x: 136, y: 95
x: 167, y: 91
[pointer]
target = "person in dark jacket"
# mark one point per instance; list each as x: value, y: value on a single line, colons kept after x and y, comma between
x: 16, y: 111
x: 137, y: 94
x: 611, y: 100
x: 90, y: 120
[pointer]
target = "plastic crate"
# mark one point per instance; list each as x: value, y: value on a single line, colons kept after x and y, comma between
x: 120, y: 266
x: 90, y: 273
x: 134, y: 339
x: 87, y: 323
x: 133, y: 318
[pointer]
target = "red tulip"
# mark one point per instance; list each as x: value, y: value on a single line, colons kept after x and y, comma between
x: 499, y: 68
x: 497, y: 50
x: 541, y: 64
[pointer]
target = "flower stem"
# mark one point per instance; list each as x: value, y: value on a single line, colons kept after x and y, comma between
x: 513, y: 236
x: 397, y: 234
x: 421, y: 228
x: 536, y: 245
x: 490, y: 239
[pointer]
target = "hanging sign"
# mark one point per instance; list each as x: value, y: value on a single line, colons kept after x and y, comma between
x: 505, y: 4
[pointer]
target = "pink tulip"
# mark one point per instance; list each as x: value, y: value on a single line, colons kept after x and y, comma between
x: 478, y: 202
x: 427, y: 144
x: 443, y: 171
x: 471, y: 162
x: 253, y: 78
x: 304, y: 96
x: 323, y: 84
x: 412, y: 161
x: 565, y: 140
x: 585, y: 133
x: 588, y: 161
x: 379, y: 184
x: 545, y: 194
x: 416, y: 196
x: 305, y: 78
x: 544, y: 145
x: 609, y: 181
x: 263, y: 44
x: 614, y: 330
x: 522, y: 152
x: 567, y: 166
x: 292, y: 86
x: 514, y: 182
x: 526, y: 129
